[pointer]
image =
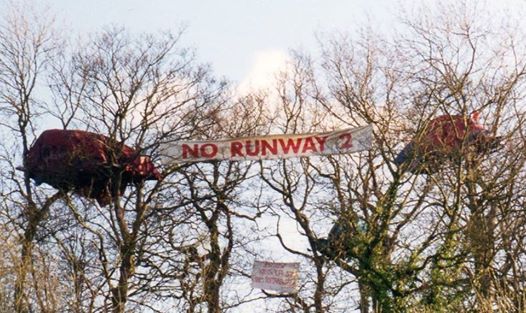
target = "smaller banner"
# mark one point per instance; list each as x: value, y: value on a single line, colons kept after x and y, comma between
x: 270, y: 147
x: 281, y: 277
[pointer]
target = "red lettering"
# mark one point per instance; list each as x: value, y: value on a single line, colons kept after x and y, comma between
x: 266, y: 146
x: 275, y: 280
x: 321, y: 141
x: 249, y: 145
x: 269, y: 279
x: 210, y: 153
x: 194, y: 152
x: 347, y: 141
x: 291, y: 143
x: 236, y: 149
x: 309, y: 145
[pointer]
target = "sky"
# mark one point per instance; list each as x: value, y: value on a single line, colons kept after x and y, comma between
x: 243, y: 40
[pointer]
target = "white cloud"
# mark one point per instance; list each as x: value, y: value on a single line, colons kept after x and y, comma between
x: 265, y: 66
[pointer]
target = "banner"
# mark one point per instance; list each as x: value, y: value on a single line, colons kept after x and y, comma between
x: 281, y: 277
x: 270, y: 147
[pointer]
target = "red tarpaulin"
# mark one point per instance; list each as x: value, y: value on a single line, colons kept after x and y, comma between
x: 87, y: 163
x: 443, y: 136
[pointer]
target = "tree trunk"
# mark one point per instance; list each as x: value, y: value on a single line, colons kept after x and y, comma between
x: 364, y: 298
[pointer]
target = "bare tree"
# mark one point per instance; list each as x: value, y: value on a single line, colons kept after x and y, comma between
x: 372, y: 235
x: 142, y: 91
x: 211, y: 221
x: 27, y: 44
x: 442, y: 241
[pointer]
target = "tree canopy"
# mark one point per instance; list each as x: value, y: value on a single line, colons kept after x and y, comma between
x: 370, y: 235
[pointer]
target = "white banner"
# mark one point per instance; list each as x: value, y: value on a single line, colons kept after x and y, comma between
x: 281, y: 277
x: 270, y: 147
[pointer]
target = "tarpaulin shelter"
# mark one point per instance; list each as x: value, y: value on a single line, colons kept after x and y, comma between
x: 445, y: 136
x: 89, y: 164
x: 345, y: 239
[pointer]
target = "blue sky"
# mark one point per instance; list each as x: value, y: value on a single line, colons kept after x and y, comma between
x: 242, y: 39
x: 232, y: 35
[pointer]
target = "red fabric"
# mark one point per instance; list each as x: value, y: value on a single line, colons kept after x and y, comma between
x: 87, y: 163
x: 446, y: 136
x: 447, y: 132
